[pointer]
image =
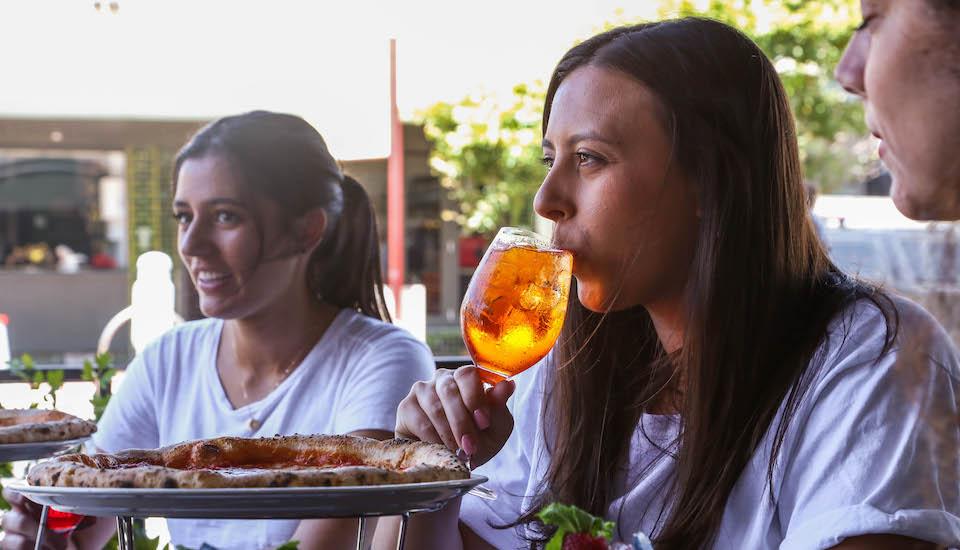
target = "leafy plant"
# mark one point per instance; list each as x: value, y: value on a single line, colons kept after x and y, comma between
x: 25, y: 368
x: 100, y: 371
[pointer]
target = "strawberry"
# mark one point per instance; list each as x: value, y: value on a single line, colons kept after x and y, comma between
x: 583, y: 541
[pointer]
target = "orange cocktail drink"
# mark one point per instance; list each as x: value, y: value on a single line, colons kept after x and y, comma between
x: 515, y: 305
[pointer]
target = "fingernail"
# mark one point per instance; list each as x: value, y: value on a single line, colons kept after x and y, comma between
x: 468, y: 445
x: 481, y: 418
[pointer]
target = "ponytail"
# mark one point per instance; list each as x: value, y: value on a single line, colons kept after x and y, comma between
x: 345, y: 269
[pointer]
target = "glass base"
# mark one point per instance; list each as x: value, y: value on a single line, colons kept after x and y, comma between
x: 489, y: 376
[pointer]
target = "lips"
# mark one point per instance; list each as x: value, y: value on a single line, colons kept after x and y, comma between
x: 209, y: 282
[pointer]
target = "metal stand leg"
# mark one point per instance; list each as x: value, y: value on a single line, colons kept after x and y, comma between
x: 125, y: 533
x: 360, y: 540
x: 403, y: 530
x: 43, y: 528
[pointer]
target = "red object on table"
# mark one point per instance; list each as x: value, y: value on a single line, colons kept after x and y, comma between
x: 62, y: 522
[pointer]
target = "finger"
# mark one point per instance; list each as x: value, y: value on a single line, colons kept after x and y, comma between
x: 499, y: 394
x: 22, y: 524
x: 13, y: 497
x: 430, y: 404
x: 15, y: 541
x: 471, y: 388
x: 21, y: 503
x: 458, y: 415
x: 414, y: 423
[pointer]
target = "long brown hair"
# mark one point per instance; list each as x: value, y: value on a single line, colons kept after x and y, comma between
x: 762, y: 289
x: 284, y: 159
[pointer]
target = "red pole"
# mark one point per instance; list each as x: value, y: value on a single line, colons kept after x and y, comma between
x: 395, y: 206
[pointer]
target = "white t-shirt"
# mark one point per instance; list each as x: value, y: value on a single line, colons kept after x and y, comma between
x: 874, y: 448
x: 353, y: 379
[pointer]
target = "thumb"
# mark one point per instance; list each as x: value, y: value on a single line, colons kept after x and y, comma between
x: 497, y: 396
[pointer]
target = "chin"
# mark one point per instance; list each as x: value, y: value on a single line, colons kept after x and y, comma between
x: 215, y: 310
x: 599, y: 300
x: 914, y: 202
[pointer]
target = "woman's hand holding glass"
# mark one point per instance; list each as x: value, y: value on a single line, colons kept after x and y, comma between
x: 455, y: 409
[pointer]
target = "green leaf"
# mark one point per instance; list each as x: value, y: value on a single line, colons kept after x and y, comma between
x: 87, y: 371
x: 38, y: 378
x: 107, y: 376
x: 99, y: 405
x: 103, y: 360
x: 289, y: 545
x: 55, y: 379
x: 570, y: 519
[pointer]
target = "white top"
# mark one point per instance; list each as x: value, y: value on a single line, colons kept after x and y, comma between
x: 353, y: 379
x: 874, y: 448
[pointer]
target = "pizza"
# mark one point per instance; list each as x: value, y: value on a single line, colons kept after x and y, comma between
x: 281, y: 461
x: 34, y: 426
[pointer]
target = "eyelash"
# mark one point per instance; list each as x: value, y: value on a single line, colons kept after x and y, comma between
x: 184, y: 218
x: 582, y: 158
x: 864, y: 24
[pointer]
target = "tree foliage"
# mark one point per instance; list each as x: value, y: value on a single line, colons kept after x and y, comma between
x: 487, y: 151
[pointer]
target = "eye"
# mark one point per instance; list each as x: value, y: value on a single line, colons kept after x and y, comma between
x: 547, y: 161
x: 586, y: 159
x: 182, y: 218
x: 224, y: 216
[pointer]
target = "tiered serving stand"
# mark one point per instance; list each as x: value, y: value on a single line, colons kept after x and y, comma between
x: 251, y: 503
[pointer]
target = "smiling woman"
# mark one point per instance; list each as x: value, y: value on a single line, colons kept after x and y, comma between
x: 283, y: 250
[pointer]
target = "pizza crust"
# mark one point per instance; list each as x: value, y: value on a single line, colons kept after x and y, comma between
x: 282, y: 461
x: 34, y: 425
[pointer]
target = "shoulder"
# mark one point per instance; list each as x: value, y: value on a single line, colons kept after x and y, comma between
x: 365, y: 333
x: 888, y: 364
x: 181, y: 342
x: 893, y: 331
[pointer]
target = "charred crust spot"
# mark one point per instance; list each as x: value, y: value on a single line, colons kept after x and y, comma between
x: 170, y: 483
x: 282, y: 481
x: 55, y: 477
x: 125, y: 484
x: 209, y: 449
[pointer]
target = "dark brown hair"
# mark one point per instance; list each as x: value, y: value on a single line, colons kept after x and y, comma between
x: 282, y: 158
x: 761, y: 288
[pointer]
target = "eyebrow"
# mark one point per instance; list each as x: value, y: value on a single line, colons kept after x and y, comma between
x: 217, y: 201
x: 583, y: 136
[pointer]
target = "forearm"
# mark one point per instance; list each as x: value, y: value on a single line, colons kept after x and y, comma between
x: 425, y: 531
x: 95, y: 536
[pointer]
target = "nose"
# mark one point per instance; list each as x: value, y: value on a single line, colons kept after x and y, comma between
x: 194, y: 240
x: 552, y: 200
x: 849, y: 72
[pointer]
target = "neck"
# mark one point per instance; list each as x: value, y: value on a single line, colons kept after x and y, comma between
x: 271, y: 340
x: 669, y: 320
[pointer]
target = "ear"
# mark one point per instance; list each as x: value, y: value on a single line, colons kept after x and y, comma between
x: 310, y: 228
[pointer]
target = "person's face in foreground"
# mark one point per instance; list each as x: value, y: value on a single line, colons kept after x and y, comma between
x: 628, y: 216
x: 904, y: 62
x: 232, y: 260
